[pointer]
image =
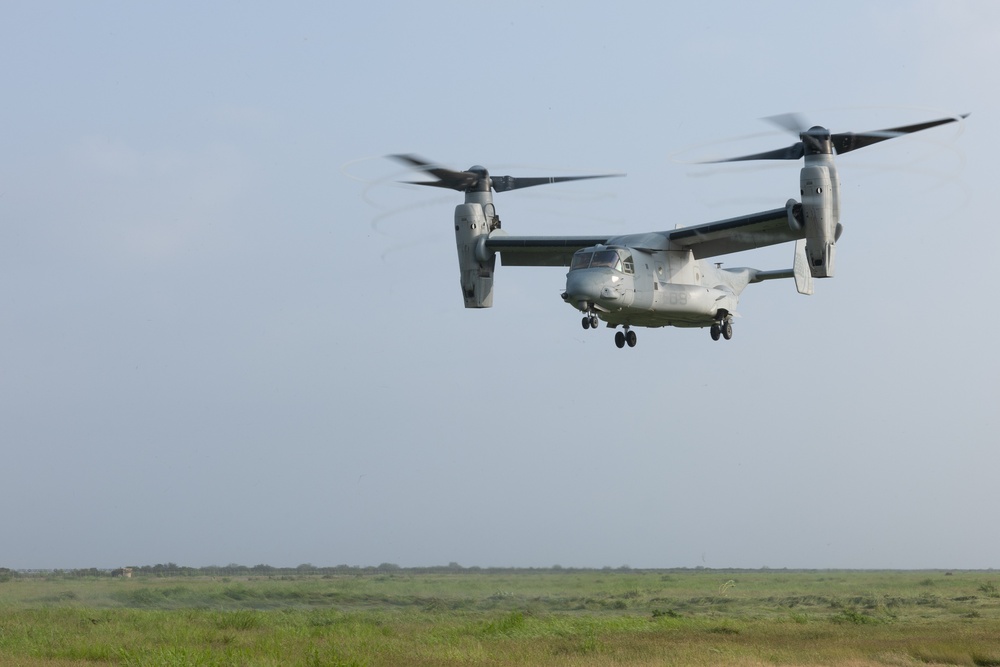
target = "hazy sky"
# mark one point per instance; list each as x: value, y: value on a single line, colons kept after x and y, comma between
x: 228, y: 335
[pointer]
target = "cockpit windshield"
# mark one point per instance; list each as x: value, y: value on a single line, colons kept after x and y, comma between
x: 581, y: 260
x: 611, y: 259
x: 608, y: 258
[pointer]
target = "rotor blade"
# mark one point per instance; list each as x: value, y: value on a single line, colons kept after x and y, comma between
x: 843, y: 142
x: 452, y: 185
x: 791, y: 122
x: 793, y: 152
x: 848, y: 141
x: 456, y: 180
x: 505, y: 183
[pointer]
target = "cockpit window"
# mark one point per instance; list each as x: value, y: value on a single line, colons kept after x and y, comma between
x: 607, y: 258
x: 581, y: 260
x: 610, y: 259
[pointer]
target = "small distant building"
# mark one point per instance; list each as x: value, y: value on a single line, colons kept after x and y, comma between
x: 125, y: 572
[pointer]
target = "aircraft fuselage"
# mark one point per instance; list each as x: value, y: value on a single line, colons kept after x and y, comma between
x: 626, y: 286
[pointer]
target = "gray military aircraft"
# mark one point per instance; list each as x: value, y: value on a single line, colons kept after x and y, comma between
x: 660, y: 279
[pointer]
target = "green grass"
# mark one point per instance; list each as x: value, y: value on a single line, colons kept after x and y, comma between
x: 543, y: 617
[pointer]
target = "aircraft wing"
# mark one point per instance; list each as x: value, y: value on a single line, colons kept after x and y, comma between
x: 735, y: 234
x: 539, y: 250
x: 707, y: 240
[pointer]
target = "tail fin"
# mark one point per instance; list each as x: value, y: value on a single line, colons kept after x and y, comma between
x: 800, y: 269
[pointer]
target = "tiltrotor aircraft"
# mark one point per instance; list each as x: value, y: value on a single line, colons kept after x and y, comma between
x: 660, y: 278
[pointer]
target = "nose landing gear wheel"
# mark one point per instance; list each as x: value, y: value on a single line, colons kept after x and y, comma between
x: 727, y: 330
x: 715, y: 331
x: 586, y: 322
x: 594, y: 321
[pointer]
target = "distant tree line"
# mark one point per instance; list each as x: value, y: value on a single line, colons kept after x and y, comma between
x: 307, y: 569
x: 236, y: 570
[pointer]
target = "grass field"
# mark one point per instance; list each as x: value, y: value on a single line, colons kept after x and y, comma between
x: 527, y: 617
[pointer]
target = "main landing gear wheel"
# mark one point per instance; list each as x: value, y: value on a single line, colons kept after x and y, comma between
x: 623, y: 338
x: 722, y: 330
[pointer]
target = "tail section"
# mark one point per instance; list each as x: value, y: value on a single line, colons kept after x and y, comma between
x: 800, y: 271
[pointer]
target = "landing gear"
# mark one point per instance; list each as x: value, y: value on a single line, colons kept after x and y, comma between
x: 625, y: 337
x: 590, y: 321
x: 722, y: 329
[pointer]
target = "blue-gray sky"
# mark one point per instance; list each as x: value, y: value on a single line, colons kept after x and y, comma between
x: 227, y: 335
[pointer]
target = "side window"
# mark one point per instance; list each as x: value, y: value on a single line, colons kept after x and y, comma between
x: 628, y: 265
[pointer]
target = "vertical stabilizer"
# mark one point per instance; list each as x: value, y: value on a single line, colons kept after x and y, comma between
x: 800, y: 269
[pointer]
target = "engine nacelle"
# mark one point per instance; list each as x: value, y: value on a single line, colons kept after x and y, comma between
x: 820, y: 210
x: 471, y: 225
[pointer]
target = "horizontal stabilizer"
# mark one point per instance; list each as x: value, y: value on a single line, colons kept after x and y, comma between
x: 799, y: 271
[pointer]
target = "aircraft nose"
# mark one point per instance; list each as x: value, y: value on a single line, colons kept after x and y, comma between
x: 584, y: 286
